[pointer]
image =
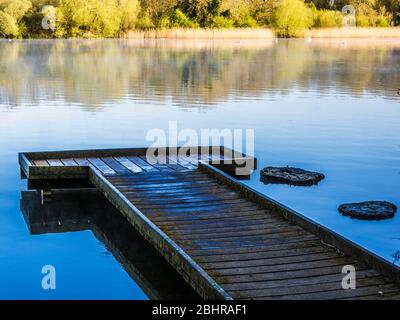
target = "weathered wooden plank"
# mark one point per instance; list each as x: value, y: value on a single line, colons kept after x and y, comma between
x: 116, y: 166
x: 310, y: 288
x: 221, y: 229
x: 235, y: 234
x: 245, y: 287
x: 69, y: 162
x: 129, y: 164
x: 83, y: 162
x: 179, y: 165
x: 101, y: 166
x: 143, y: 164
x: 272, y: 276
x: 163, y: 167
x: 256, y: 255
x: 378, y: 290
x: 40, y: 163
x: 211, y: 218
x: 269, y: 261
x: 266, y: 247
x: 186, y: 163
x: 55, y: 162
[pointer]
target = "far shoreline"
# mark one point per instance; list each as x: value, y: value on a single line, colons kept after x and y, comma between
x: 244, y: 34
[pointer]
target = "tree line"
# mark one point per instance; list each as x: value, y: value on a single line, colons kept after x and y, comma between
x: 111, y: 18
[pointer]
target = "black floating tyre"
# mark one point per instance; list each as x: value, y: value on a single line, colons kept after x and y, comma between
x: 289, y: 175
x: 369, y: 210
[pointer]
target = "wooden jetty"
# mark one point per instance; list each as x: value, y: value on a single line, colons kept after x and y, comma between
x: 225, y: 239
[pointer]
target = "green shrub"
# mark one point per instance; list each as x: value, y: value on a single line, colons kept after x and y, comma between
x: 16, y: 8
x: 239, y: 12
x: 246, y: 21
x: 8, y: 25
x: 222, y: 22
x: 129, y: 13
x: 90, y: 18
x: 292, y: 17
x: 382, y: 22
x: 363, y: 21
x: 328, y: 19
x: 179, y: 19
x: 144, y: 21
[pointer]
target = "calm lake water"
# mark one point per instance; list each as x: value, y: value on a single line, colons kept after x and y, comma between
x: 330, y: 106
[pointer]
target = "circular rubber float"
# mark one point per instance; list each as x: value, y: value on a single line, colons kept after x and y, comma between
x: 290, y: 175
x: 369, y: 210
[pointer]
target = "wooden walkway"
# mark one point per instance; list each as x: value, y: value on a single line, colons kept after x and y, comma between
x: 225, y: 239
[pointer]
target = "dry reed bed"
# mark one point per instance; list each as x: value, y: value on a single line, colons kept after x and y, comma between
x: 182, y: 33
x: 393, y: 32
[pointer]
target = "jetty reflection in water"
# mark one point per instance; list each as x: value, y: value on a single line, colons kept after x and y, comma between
x: 79, y: 210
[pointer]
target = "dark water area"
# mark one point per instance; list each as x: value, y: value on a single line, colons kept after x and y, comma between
x: 326, y: 106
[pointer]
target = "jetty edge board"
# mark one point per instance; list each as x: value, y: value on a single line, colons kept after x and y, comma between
x: 135, y: 190
x: 56, y: 164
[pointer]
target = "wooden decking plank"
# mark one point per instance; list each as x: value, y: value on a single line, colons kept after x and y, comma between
x: 55, y: 162
x: 379, y: 291
x: 211, y: 218
x: 116, y: 166
x: 188, y: 206
x: 186, y: 163
x: 250, y: 240
x: 129, y: 164
x: 295, y: 282
x: 269, y: 254
x: 170, y: 192
x: 187, y: 200
x: 254, y: 262
x: 250, y: 270
x: 237, y: 239
x: 172, y: 162
x: 83, y: 162
x: 205, y: 223
x: 234, y: 234
x: 202, y: 223
x: 101, y: 166
x: 165, y: 186
x: 309, y: 288
x: 202, y: 208
x: 143, y: 164
x: 40, y: 163
x: 221, y: 229
x: 291, y: 274
x: 270, y: 247
x: 69, y: 162
x: 253, y: 243
x: 154, y: 162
